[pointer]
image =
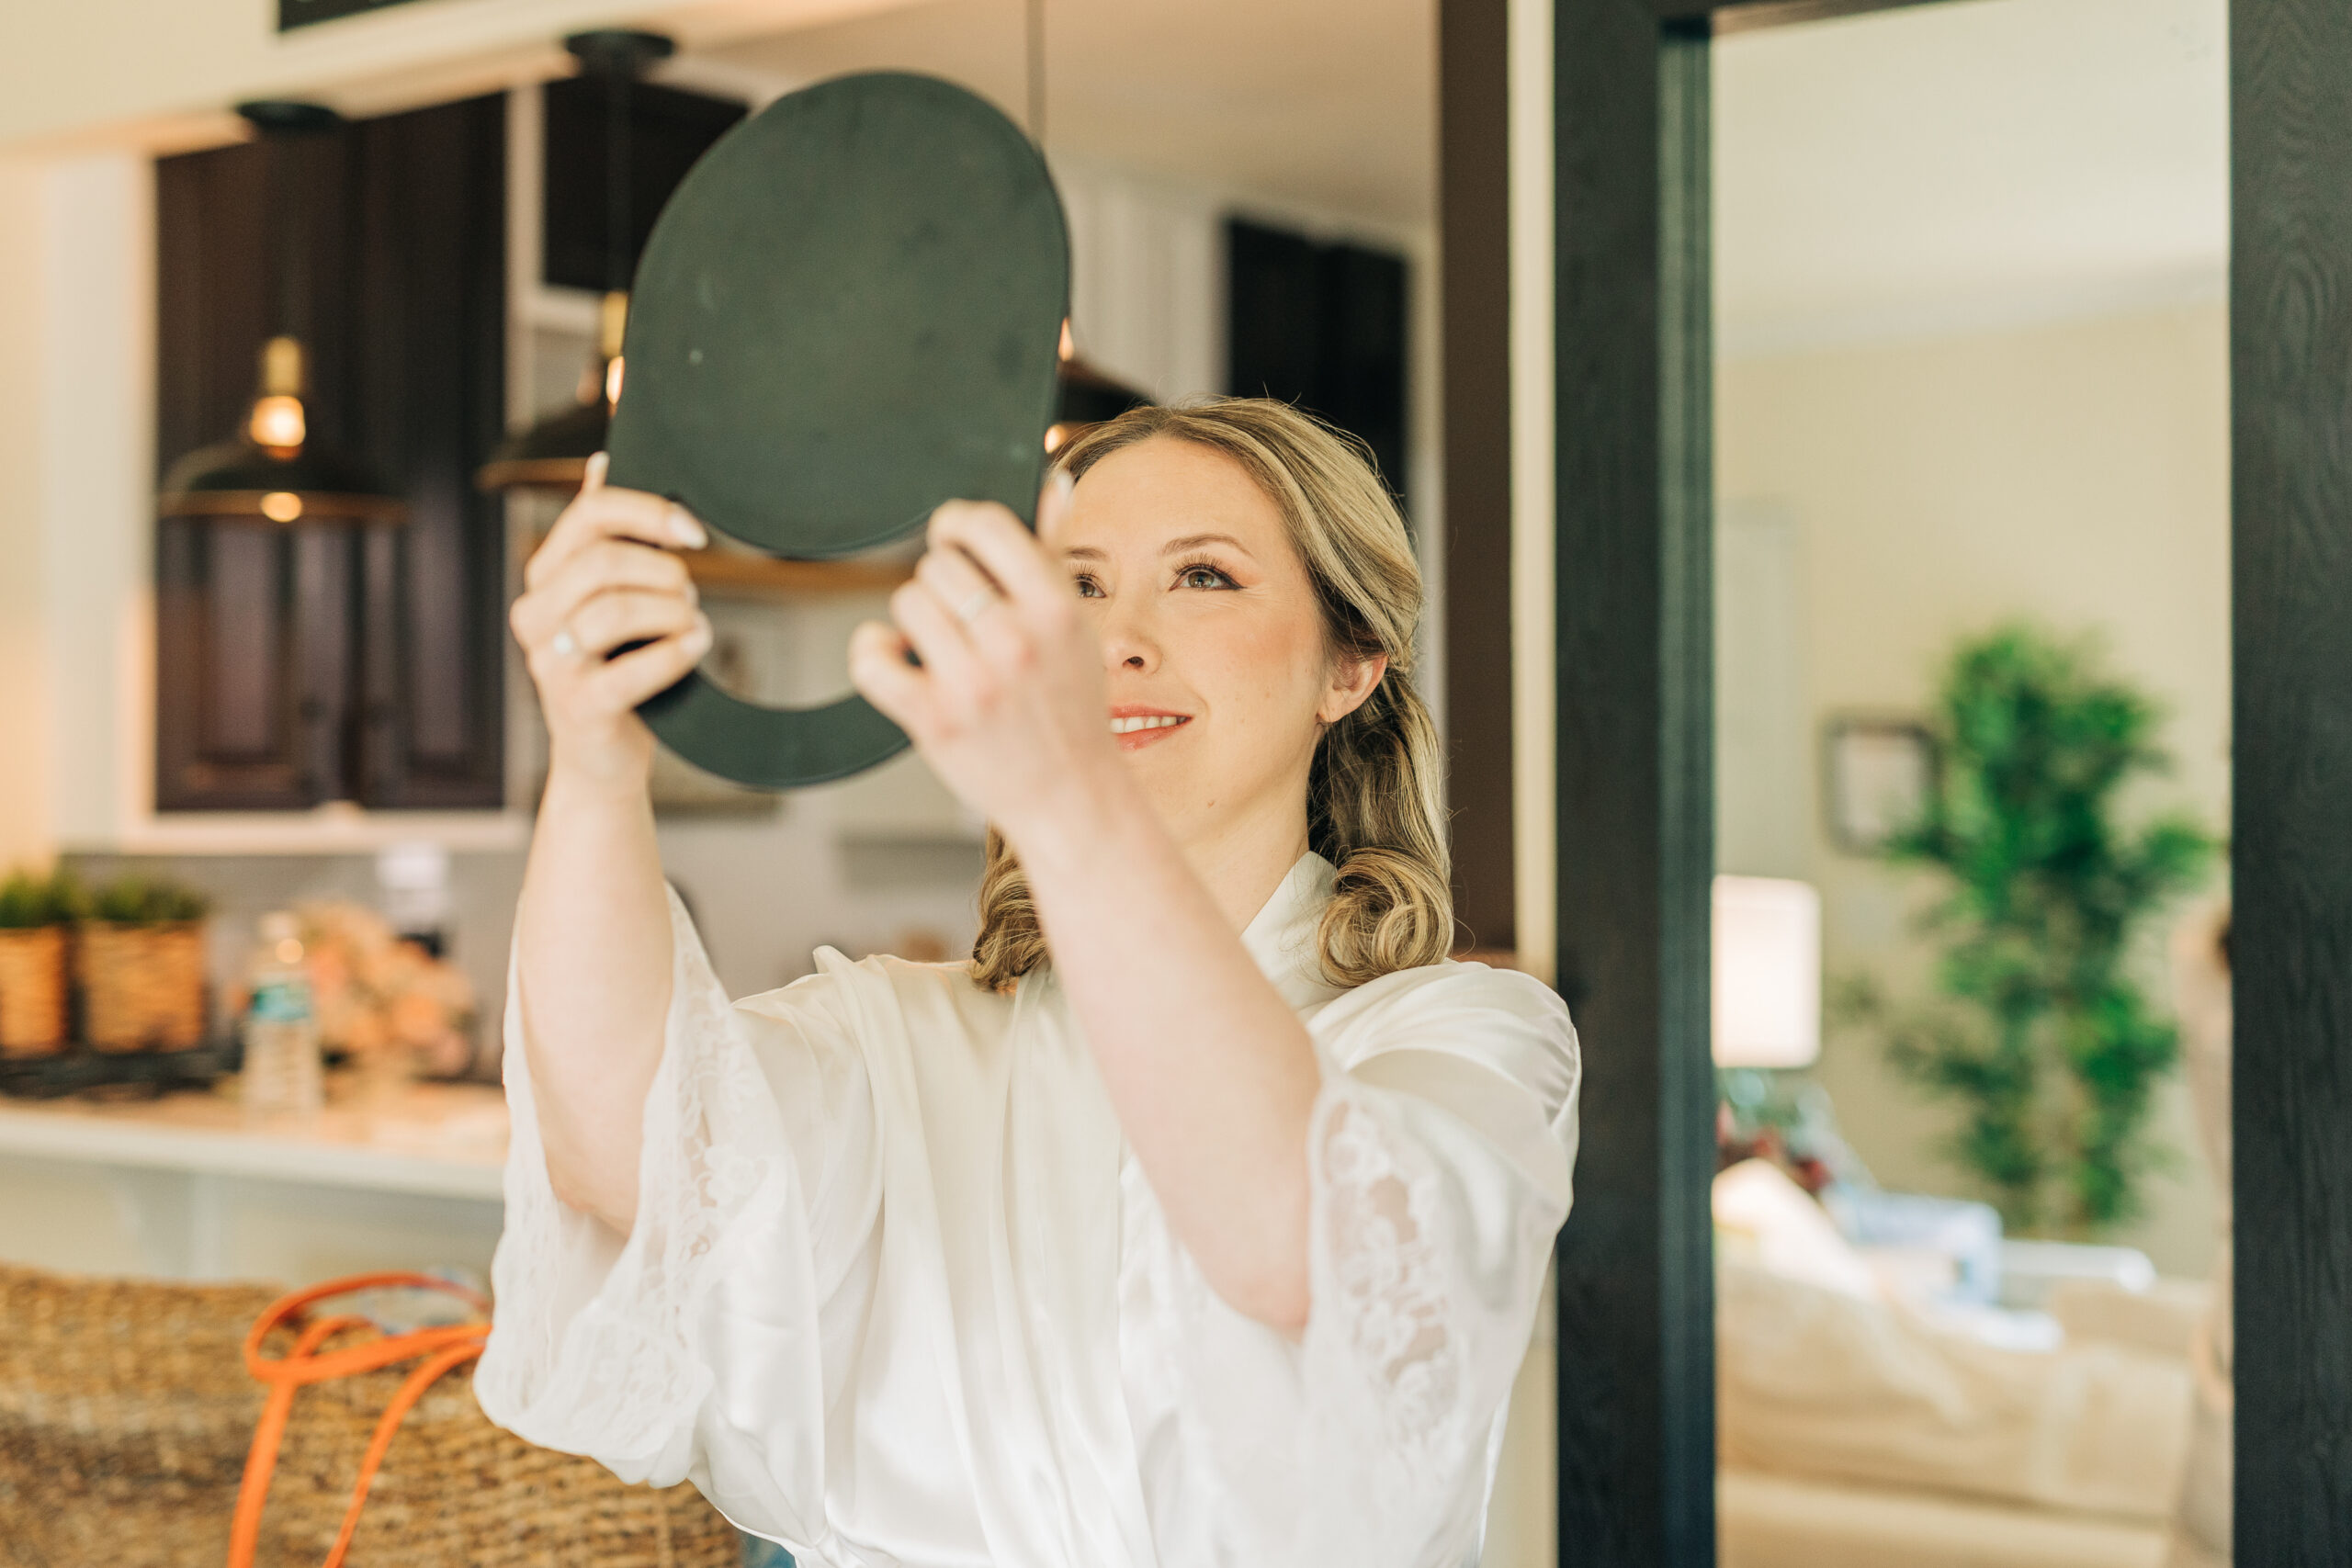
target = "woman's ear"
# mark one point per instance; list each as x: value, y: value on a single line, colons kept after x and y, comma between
x: 1352, y: 680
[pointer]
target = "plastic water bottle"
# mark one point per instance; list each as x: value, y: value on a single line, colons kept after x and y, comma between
x: 282, y: 1080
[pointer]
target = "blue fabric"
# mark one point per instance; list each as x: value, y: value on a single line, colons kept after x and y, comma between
x: 758, y: 1553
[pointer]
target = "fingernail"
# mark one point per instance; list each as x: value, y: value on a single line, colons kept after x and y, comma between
x: 698, y: 639
x: 1064, y: 487
x: 592, y: 478
x: 684, y: 529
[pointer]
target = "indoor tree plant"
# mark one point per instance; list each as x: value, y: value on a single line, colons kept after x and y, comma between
x: 2042, y: 1037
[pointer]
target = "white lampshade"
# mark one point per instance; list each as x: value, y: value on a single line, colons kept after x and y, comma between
x: 1767, y: 993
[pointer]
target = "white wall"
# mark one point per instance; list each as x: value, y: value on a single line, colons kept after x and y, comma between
x: 1532, y: 520
x: 23, y: 656
x: 76, y: 359
x: 97, y: 459
x: 1147, y: 277
x: 2077, y: 473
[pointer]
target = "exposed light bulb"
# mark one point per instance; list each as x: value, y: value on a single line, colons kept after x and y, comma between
x: 1069, y: 345
x: 281, y: 506
x: 281, y: 367
x: 612, y: 323
x: 277, y: 422
x: 613, y: 383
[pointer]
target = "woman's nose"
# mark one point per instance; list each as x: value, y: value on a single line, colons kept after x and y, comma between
x: 1127, y: 641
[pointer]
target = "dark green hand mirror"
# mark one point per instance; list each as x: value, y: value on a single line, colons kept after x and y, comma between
x: 850, y: 312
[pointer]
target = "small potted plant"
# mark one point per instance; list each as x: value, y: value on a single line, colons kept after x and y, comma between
x: 140, y: 960
x: 35, y: 914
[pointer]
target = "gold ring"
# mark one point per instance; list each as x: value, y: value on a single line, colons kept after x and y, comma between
x: 971, y: 609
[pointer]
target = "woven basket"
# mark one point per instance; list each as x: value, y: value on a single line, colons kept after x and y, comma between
x: 125, y: 1413
x: 32, y: 991
x: 143, y: 987
x: 175, y: 1011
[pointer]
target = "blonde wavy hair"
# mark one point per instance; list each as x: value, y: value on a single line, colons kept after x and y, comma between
x: 1372, y: 808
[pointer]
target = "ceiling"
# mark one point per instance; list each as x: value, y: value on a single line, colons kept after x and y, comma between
x: 1942, y: 168
x: 1967, y: 165
x: 1325, y: 105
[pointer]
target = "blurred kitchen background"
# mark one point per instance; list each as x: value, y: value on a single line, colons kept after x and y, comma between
x: 1971, y: 461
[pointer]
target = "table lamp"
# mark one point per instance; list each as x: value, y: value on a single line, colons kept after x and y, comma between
x: 1767, y: 973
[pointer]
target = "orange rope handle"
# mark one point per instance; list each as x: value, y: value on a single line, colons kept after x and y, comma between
x: 300, y: 1366
x: 446, y: 1347
x: 261, y: 1460
x: 412, y: 1389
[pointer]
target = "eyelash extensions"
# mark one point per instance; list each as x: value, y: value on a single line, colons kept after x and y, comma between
x: 1085, y: 580
x: 1224, y: 578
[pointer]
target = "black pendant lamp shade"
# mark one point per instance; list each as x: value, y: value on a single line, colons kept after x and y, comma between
x: 274, y: 470
x: 551, y: 454
x: 1088, y: 396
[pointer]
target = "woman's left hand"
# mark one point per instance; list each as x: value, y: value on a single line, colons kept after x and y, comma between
x: 1008, y: 704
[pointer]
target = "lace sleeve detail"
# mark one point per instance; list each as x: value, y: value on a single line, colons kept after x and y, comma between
x: 1388, y: 1326
x: 596, y: 1346
x: 1427, y: 1251
x: 1437, y: 1183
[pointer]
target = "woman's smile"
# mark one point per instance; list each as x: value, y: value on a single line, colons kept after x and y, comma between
x: 1133, y: 727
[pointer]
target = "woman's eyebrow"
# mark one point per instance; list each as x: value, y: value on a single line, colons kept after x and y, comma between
x: 1173, y: 546
x: 1194, y: 541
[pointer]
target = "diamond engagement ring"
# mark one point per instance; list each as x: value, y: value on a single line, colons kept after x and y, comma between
x: 970, y: 609
x: 564, y: 643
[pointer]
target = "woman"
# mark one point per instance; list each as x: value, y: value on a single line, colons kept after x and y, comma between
x: 1201, y: 1217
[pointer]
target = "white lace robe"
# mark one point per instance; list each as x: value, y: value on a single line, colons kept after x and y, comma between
x: 898, y: 1294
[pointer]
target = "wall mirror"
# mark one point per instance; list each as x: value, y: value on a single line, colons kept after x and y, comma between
x: 1970, y: 566
x: 1695, y: 426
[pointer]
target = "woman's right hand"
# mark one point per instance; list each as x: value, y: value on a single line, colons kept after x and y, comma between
x: 606, y: 575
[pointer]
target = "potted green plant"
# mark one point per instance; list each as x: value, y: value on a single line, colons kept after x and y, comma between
x: 141, y: 961
x: 2041, y: 1035
x: 36, y: 913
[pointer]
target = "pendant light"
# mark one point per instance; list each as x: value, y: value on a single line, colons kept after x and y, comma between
x: 275, y: 470
x: 1089, y: 395
x: 551, y: 454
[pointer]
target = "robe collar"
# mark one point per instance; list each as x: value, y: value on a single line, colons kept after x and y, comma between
x: 1281, y: 937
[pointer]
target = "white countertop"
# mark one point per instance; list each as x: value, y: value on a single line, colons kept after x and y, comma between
x: 443, y: 1140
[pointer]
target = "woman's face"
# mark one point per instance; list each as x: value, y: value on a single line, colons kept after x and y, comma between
x: 1219, y: 673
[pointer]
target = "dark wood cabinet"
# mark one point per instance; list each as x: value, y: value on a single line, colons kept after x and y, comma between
x: 312, y: 663
x: 669, y: 128
x: 430, y: 341
x: 1322, y: 326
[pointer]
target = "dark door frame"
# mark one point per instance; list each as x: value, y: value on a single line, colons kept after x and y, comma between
x: 1635, y: 786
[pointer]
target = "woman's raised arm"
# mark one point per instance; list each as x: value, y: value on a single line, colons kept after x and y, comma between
x: 592, y: 945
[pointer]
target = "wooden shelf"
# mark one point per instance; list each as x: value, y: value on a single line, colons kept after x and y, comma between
x: 744, y: 574
x: 733, y: 573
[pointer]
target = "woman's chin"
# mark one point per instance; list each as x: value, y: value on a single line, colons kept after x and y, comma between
x: 1172, y: 790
